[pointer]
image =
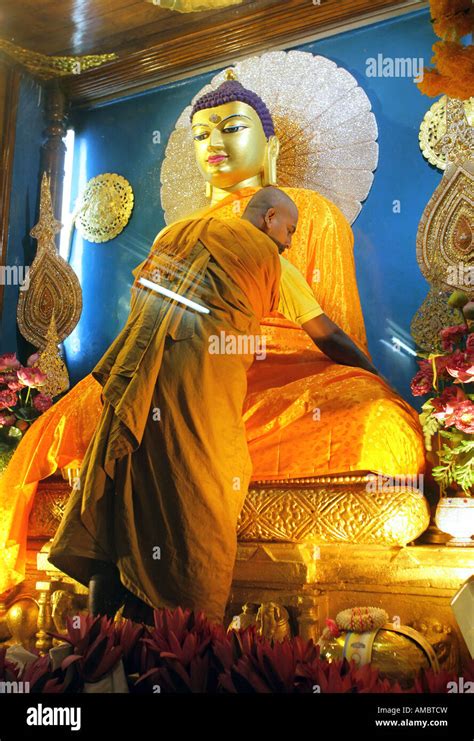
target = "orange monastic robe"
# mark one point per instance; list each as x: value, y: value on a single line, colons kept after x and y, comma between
x: 304, y: 414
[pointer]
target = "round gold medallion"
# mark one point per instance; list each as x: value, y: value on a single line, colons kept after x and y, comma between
x: 433, y: 128
x: 105, y: 207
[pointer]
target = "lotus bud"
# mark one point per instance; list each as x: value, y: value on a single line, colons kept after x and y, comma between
x: 458, y: 299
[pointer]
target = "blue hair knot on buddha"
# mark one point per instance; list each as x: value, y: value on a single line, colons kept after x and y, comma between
x: 231, y: 91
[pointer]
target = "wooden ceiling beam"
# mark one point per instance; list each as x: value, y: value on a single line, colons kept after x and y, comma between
x: 198, y: 47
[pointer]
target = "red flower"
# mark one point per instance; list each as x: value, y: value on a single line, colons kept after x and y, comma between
x: 94, y: 651
x: 464, y: 416
x: 7, y: 419
x: 31, y: 377
x: 447, y: 404
x: 7, y: 399
x: 332, y: 627
x: 15, y: 385
x: 450, y: 336
x: 428, y: 681
x: 422, y: 382
x: 8, y: 361
x: 461, y: 366
x: 470, y: 343
x: 441, y: 361
x: 42, y: 402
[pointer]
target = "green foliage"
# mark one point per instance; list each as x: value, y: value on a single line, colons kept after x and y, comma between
x: 429, y: 423
x: 456, y: 462
x: 28, y: 413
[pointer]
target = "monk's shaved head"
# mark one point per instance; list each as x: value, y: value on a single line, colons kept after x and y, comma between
x: 274, y: 213
x: 269, y: 197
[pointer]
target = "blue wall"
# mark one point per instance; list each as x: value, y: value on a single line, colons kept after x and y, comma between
x: 118, y: 137
x: 23, y: 203
x: 390, y: 282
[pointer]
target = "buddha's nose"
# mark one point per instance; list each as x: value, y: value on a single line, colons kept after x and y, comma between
x: 216, y: 140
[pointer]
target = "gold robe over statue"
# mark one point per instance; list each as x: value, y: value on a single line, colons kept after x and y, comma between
x: 304, y: 415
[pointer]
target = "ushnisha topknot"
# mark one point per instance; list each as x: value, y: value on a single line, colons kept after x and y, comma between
x: 230, y: 91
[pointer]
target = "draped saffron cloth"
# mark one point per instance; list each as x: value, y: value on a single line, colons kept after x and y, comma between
x: 360, y: 425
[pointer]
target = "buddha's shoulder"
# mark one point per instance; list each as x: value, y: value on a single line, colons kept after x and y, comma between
x: 303, y: 197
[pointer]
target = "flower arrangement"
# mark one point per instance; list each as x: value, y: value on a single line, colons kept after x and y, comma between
x: 358, y: 619
x: 453, y: 74
x: 21, y: 399
x: 448, y: 415
x: 185, y: 653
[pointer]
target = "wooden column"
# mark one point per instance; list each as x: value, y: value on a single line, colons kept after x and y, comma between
x: 53, y: 148
x: 9, y: 88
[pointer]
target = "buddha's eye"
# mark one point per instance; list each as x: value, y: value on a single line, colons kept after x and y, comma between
x: 201, y: 137
x: 233, y: 129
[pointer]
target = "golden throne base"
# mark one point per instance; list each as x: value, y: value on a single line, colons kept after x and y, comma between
x: 321, y: 546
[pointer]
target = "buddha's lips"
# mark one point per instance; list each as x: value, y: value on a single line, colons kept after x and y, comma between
x: 216, y: 158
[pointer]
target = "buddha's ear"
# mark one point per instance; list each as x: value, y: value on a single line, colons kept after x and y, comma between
x: 272, y: 150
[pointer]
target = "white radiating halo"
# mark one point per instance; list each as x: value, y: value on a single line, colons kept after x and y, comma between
x: 322, y: 117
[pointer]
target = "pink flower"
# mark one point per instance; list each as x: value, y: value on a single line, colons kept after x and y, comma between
x: 31, y: 377
x: 8, y: 377
x: 9, y: 360
x: 7, y: 399
x: 450, y: 336
x: 15, y: 385
x: 422, y: 382
x: 33, y: 359
x: 464, y: 416
x: 461, y: 366
x: 7, y: 419
x: 42, y: 402
x: 447, y: 404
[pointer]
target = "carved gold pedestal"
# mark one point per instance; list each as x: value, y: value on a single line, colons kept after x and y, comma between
x: 342, y: 509
x: 313, y: 582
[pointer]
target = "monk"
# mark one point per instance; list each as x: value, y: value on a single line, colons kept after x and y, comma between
x: 152, y: 521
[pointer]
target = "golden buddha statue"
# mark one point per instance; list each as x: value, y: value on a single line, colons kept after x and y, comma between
x: 305, y: 415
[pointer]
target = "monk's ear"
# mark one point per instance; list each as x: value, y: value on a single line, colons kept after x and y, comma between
x: 270, y: 216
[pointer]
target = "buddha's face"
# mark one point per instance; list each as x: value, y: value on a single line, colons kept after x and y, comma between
x: 229, y: 143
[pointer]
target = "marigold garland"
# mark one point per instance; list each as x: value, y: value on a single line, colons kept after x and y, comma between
x: 452, y: 19
x: 361, y: 619
x: 453, y: 74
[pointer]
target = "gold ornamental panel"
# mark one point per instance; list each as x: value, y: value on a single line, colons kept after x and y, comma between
x: 433, y: 315
x: 52, y: 287
x: 333, y: 513
x: 46, y: 66
x: 48, y: 507
x: 445, y: 239
x: 105, y: 207
x: 433, y: 129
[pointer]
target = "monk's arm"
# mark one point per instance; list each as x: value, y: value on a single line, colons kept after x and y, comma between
x: 336, y: 344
